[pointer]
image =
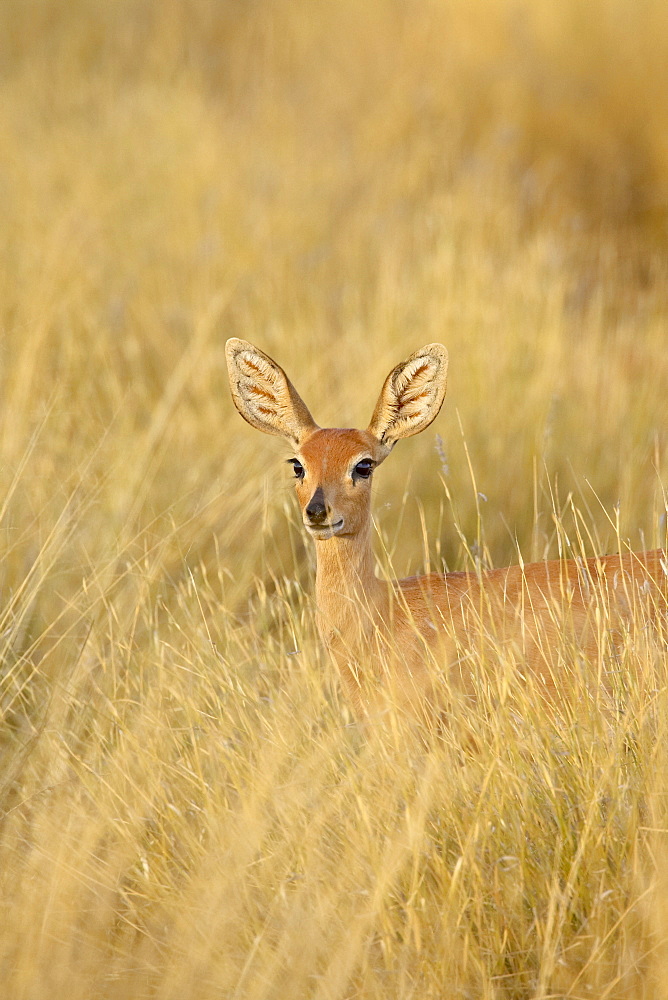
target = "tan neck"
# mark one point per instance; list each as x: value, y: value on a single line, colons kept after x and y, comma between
x: 349, y: 597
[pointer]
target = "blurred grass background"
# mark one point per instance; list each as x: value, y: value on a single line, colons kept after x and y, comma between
x: 186, y: 812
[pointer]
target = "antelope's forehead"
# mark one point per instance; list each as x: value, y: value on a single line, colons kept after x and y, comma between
x: 332, y: 449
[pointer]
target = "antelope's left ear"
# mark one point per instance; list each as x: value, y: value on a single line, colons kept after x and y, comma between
x: 412, y: 395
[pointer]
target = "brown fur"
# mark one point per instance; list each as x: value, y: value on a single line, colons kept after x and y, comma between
x: 411, y: 639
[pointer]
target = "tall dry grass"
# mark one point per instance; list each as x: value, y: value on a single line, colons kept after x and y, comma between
x: 188, y: 809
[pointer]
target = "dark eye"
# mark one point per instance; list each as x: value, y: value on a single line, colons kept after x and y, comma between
x: 363, y: 469
x: 298, y: 467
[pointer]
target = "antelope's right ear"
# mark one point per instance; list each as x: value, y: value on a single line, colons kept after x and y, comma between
x: 264, y: 395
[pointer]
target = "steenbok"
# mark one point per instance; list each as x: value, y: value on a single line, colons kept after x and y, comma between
x: 409, y: 639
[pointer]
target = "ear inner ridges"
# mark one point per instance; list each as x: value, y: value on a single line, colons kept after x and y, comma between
x: 264, y: 395
x: 412, y: 395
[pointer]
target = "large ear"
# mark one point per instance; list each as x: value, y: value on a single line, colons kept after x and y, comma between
x: 412, y: 395
x: 264, y: 395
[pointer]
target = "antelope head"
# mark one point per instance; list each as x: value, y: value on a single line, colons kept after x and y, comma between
x: 334, y: 467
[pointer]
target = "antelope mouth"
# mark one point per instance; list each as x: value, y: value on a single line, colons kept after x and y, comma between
x: 321, y: 531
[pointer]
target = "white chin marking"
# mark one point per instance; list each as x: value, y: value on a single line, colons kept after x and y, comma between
x: 324, y: 531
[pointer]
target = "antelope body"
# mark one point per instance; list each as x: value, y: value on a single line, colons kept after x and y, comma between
x: 410, y: 638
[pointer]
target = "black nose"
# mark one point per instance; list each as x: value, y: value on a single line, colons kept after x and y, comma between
x: 316, y: 510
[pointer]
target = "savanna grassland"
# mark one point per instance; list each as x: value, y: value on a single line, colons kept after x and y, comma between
x: 189, y: 810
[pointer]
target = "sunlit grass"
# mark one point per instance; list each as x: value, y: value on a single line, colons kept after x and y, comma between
x: 189, y: 808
